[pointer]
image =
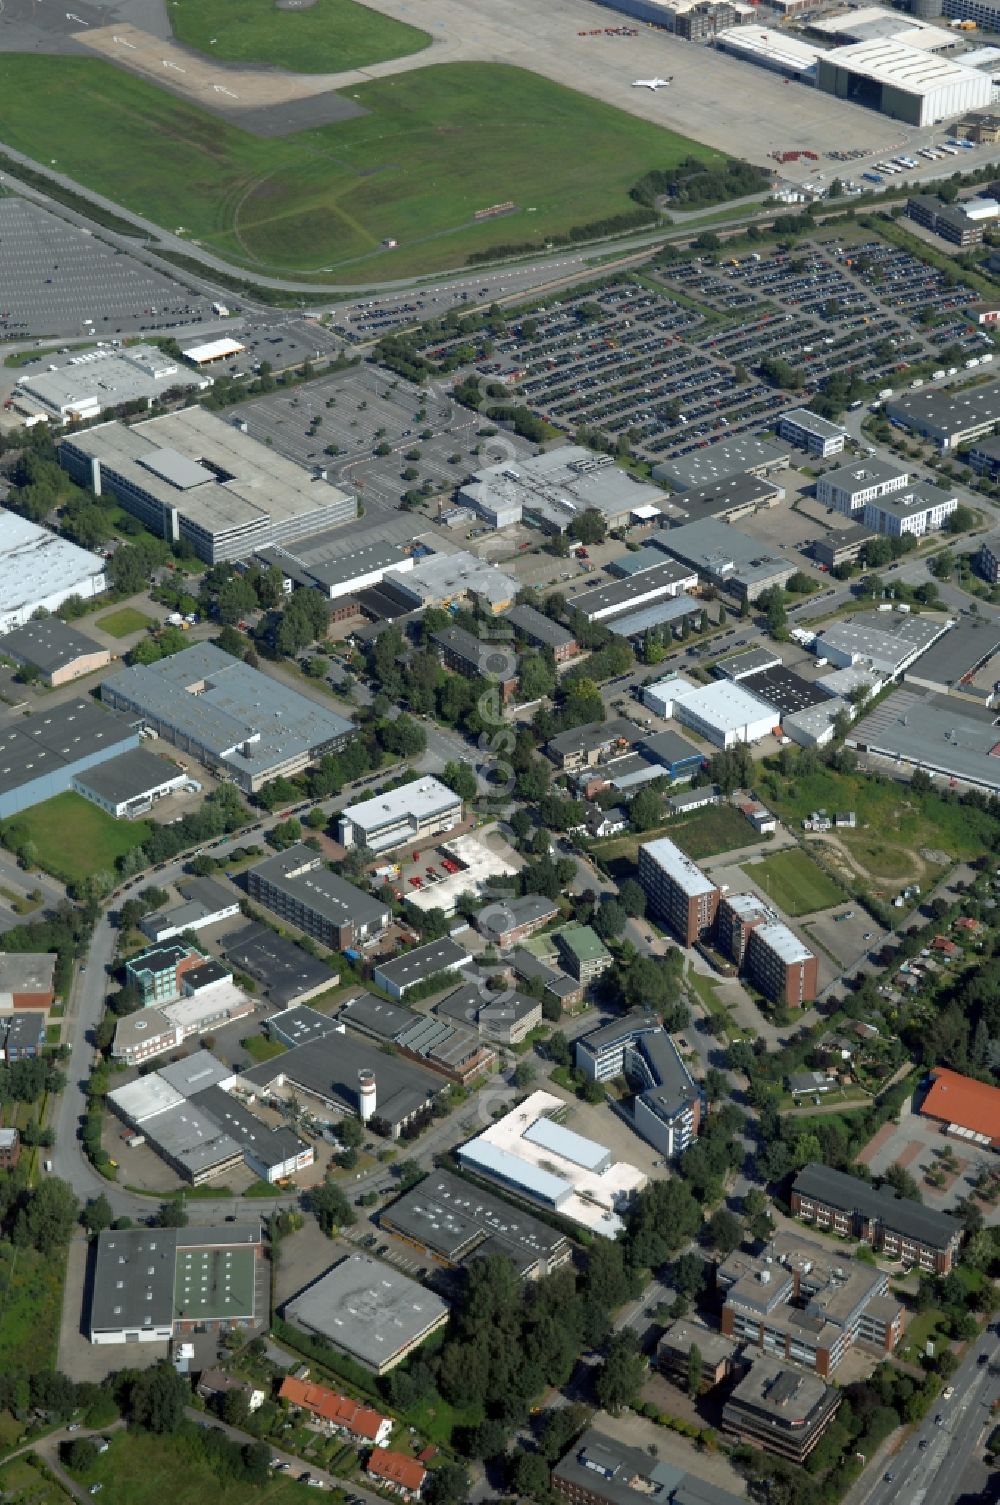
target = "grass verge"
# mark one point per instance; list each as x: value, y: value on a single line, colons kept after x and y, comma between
x: 31, y: 1287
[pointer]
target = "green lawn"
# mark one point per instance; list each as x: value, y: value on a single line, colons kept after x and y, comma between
x: 30, y: 1307
x: 139, y: 1469
x: 703, y: 833
x: 261, y: 1048
x: 331, y: 36
x: 24, y: 1485
x: 436, y: 145
x: 794, y: 882
x: 72, y: 837
x: 123, y: 622
x: 893, y: 822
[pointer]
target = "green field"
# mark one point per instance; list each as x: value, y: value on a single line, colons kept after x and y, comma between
x: 72, y: 837
x: 24, y: 1485
x: 704, y: 833
x: 140, y: 1469
x: 437, y: 144
x: 123, y: 622
x: 794, y: 882
x: 260, y: 1048
x: 30, y: 1308
x: 331, y: 36
x: 894, y: 823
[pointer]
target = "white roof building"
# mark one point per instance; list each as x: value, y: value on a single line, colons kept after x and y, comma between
x: 212, y: 350
x: 679, y: 867
x: 423, y: 808
x: 40, y: 569
x: 536, y: 1158
x: 725, y: 713
x: 907, y: 82
x: 86, y: 384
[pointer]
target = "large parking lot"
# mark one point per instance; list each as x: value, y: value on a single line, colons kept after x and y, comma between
x: 342, y: 421
x: 56, y: 279
x: 674, y: 367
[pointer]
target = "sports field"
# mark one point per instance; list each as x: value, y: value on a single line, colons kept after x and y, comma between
x: 438, y: 144
x: 794, y: 882
x: 330, y: 36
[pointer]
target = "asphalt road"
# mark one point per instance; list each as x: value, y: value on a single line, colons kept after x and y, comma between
x: 928, y: 1468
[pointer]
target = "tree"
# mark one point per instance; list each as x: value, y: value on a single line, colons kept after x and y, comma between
x: 331, y: 1208
x: 235, y: 1408
x: 632, y: 898
x: 695, y: 1370
x: 172, y: 1214
x: 559, y: 1427
x: 80, y: 1454
x: 725, y: 1231
x: 447, y: 1485
x: 157, y: 1398
x: 529, y: 1475
x: 460, y: 779
x: 621, y: 1375
x: 609, y: 919
x: 646, y: 810
x: 351, y: 1133
x: 524, y: 1074
x: 46, y: 1217
x: 97, y: 1215
x: 588, y: 527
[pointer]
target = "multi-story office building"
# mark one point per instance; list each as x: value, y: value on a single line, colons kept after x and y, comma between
x: 781, y: 965
x: 848, y: 489
x: 194, y: 476
x: 297, y: 885
x: 666, y: 1108
x: 780, y: 1409
x: 583, y: 953
x: 917, y: 510
x: 800, y: 1301
x: 988, y: 561
x: 603, y: 1470
x: 157, y: 973
x: 897, y: 1226
x: 808, y: 431
x: 948, y: 416
x: 505, y: 923
x: 947, y: 220
x: 413, y: 812
x: 677, y: 890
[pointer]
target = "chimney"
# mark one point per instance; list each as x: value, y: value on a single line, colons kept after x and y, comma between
x: 366, y: 1095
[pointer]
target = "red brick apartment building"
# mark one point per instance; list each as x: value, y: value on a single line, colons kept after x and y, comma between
x: 678, y: 891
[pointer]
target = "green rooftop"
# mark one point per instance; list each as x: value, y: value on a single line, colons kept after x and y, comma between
x: 585, y: 944
x: 210, y: 1284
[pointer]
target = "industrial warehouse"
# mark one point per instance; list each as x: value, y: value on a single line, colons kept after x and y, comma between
x: 234, y: 719
x: 191, y: 475
x: 40, y: 570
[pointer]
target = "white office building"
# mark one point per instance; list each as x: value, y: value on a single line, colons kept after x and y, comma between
x: 808, y: 431
x: 414, y: 811
x: 852, y: 487
x: 917, y: 510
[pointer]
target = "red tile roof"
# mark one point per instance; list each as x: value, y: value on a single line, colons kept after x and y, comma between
x: 397, y: 1468
x: 960, y: 1100
x: 338, y: 1409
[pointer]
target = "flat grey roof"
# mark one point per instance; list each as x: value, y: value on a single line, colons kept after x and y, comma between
x: 912, y: 500
x: 49, y: 644
x: 299, y: 873
x: 269, y: 1146
x: 941, y: 737
x: 668, y: 747
x: 503, y: 914
x: 621, y: 594
x: 368, y: 1309
x: 729, y: 493
x: 862, y: 474
x: 328, y: 1068
x: 27, y: 971
x: 285, y: 969
x: 594, y: 735
x: 313, y: 557
x: 133, y: 1279
x: 213, y: 473
x: 239, y: 714
x: 622, y: 1475
x: 476, y: 1006
x: 487, y: 657
x: 108, y: 377
x: 751, y: 661
x: 716, y: 462
x: 423, y: 961
x: 719, y: 549
x: 813, y: 423
x: 963, y: 649
x: 947, y: 410
x: 656, y: 614
x: 129, y: 776
x: 186, y: 1135
x: 537, y: 627
x: 454, y: 1218
x: 57, y: 737
x: 851, y: 1194
x: 377, y: 1016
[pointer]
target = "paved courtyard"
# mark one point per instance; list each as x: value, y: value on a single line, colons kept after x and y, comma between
x: 916, y: 1144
